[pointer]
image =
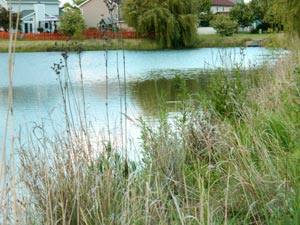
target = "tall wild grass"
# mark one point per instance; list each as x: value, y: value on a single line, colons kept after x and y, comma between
x: 234, y: 160
x: 10, y: 209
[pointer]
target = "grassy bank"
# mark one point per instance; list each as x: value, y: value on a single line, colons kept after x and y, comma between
x: 129, y: 44
x: 230, y: 157
x: 237, y: 40
x: 88, y: 45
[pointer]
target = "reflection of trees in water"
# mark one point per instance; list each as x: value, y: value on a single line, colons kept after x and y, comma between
x: 31, y: 96
x: 165, y: 91
x: 162, y: 89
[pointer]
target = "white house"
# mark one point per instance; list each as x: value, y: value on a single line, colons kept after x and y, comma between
x: 36, y: 16
x: 221, y: 6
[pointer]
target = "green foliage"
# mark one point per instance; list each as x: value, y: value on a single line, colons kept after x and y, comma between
x: 205, y: 18
x: 4, y: 19
x: 284, y: 12
x: 172, y: 22
x: 224, y: 25
x: 275, y: 16
x: 205, y: 13
x: 71, y: 22
x: 279, y: 129
x: 269, y: 13
x: 78, y: 2
x: 290, y: 12
x: 259, y: 9
x: 227, y: 94
x: 242, y: 13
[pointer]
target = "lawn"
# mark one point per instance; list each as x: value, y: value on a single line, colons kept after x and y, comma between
x: 208, y: 40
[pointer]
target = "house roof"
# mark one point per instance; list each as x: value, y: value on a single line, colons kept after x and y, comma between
x: 222, y: 3
x: 83, y: 3
x: 108, y: 21
x: 26, y: 13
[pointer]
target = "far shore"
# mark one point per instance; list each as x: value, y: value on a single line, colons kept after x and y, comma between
x: 204, y: 40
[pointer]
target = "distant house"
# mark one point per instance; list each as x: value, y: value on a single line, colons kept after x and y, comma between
x: 93, y: 11
x: 36, y: 16
x: 221, y: 6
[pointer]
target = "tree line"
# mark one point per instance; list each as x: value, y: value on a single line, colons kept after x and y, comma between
x: 173, y: 23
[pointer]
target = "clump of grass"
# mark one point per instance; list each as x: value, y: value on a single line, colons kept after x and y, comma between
x: 71, y: 183
x: 227, y: 93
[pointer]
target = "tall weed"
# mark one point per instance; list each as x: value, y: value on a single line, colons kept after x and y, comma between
x: 227, y: 93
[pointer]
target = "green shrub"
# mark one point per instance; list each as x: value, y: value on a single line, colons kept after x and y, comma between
x: 224, y: 25
x: 227, y: 94
x: 275, y: 130
x: 71, y: 22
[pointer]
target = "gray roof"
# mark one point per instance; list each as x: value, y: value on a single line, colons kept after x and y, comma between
x: 26, y: 12
x: 108, y: 21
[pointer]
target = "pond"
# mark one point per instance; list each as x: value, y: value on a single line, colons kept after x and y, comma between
x: 112, y: 77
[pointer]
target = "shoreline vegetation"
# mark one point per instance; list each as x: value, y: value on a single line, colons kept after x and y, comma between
x: 203, y: 41
x: 229, y: 157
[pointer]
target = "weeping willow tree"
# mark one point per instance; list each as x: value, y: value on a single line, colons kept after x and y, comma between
x: 172, y: 22
x: 288, y: 12
x: 292, y: 15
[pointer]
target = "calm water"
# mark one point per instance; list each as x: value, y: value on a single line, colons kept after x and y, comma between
x: 37, y: 96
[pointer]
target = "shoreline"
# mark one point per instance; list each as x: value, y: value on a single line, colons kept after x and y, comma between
x: 204, y: 41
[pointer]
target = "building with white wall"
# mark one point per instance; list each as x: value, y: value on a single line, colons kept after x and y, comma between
x: 36, y: 16
x: 221, y: 6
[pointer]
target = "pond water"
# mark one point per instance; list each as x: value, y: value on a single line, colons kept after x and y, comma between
x: 37, y: 97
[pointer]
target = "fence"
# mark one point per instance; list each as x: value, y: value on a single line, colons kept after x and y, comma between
x: 37, y: 36
x: 88, y: 34
x: 127, y: 34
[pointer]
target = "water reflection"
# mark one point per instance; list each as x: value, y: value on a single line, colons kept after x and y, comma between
x: 150, y: 75
x: 163, y: 87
